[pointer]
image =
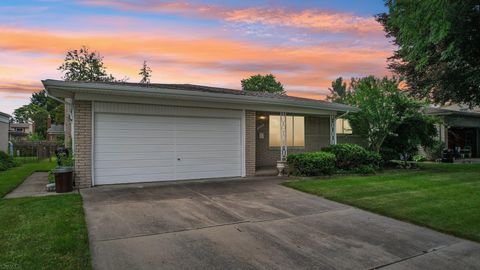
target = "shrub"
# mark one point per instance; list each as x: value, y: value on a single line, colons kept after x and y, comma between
x: 364, y: 169
x: 311, y: 164
x: 351, y: 156
x: 6, y: 161
x: 419, y: 158
x: 435, y: 151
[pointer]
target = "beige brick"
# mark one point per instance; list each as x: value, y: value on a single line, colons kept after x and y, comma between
x: 83, y: 143
x: 250, y: 143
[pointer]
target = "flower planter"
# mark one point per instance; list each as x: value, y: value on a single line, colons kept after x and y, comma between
x: 63, y: 179
x: 281, y: 166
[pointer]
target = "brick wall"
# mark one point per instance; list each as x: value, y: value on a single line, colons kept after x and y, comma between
x: 83, y: 143
x: 250, y: 143
x: 317, y: 135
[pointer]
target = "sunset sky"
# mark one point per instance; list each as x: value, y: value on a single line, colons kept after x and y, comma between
x: 305, y: 44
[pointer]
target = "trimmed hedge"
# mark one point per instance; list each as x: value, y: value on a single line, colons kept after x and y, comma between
x: 311, y: 164
x: 6, y: 161
x: 352, y: 157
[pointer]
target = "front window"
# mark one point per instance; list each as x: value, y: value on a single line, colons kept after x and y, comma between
x: 343, y: 126
x: 295, y: 131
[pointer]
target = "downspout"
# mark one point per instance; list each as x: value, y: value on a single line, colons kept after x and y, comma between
x: 71, y: 116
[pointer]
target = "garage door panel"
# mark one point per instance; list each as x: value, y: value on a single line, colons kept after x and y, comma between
x: 204, y: 154
x: 135, y: 156
x: 135, y: 141
x: 205, y: 134
x: 133, y: 133
x: 207, y: 141
x: 180, y: 168
x: 139, y: 126
x: 213, y: 147
x: 208, y: 161
x: 133, y: 118
x: 206, y: 127
x: 135, y: 163
x: 139, y: 178
x: 138, y: 148
x: 210, y: 174
x: 165, y: 169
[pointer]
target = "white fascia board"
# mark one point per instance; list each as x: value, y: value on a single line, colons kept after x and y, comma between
x: 65, y: 89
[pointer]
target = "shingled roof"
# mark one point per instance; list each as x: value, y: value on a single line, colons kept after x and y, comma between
x: 206, y: 89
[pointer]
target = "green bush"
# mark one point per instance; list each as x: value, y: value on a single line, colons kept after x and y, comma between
x: 6, y: 161
x: 311, y: 164
x: 435, y: 151
x: 352, y: 156
x: 419, y: 158
x: 364, y: 169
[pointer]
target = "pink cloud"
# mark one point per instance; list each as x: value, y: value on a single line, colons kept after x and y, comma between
x: 311, y: 19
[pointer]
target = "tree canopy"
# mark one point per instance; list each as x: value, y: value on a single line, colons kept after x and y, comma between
x: 38, y: 110
x: 84, y: 65
x: 338, y: 91
x: 263, y: 83
x: 385, y: 114
x: 438, y: 48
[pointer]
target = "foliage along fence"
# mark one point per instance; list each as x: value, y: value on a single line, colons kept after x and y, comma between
x: 31, y: 151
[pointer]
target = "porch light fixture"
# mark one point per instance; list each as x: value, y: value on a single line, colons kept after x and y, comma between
x: 262, y: 117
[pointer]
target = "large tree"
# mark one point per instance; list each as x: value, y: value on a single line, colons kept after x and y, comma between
x: 385, y: 111
x: 84, y: 65
x: 438, y: 47
x: 263, y: 83
x: 37, y: 112
x: 338, y: 91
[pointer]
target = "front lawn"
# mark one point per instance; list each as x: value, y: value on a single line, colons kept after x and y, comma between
x: 444, y: 197
x: 13, y: 177
x: 43, y: 233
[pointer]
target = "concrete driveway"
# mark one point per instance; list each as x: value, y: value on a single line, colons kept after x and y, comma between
x: 254, y: 224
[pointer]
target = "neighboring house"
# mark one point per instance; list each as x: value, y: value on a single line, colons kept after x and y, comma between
x: 4, y: 120
x: 459, y: 128
x: 129, y: 132
x: 53, y: 130
x: 20, y: 131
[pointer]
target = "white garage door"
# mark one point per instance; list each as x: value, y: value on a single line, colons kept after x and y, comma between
x: 139, y: 148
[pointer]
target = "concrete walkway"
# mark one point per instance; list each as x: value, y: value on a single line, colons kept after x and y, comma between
x: 255, y: 224
x: 34, y: 185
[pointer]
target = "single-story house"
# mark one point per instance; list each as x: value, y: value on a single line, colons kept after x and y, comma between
x: 131, y: 132
x: 4, y: 120
x: 459, y: 127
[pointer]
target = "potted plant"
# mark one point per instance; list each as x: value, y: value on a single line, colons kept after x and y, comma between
x: 64, y: 171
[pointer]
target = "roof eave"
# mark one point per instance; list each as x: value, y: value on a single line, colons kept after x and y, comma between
x: 67, y: 90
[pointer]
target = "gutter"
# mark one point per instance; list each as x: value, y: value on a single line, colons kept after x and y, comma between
x: 55, y: 98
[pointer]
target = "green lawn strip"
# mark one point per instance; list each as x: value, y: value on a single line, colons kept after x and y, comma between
x: 13, y: 177
x: 43, y: 233
x: 444, y: 197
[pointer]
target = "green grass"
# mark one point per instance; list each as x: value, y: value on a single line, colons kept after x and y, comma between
x: 43, y: 233
x: 13, y: 177
x: 444, y: 197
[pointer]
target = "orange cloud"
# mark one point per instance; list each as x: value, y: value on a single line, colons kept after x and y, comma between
x: 316, y: 20
x: 305, y: 71
x: 20, y: 87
